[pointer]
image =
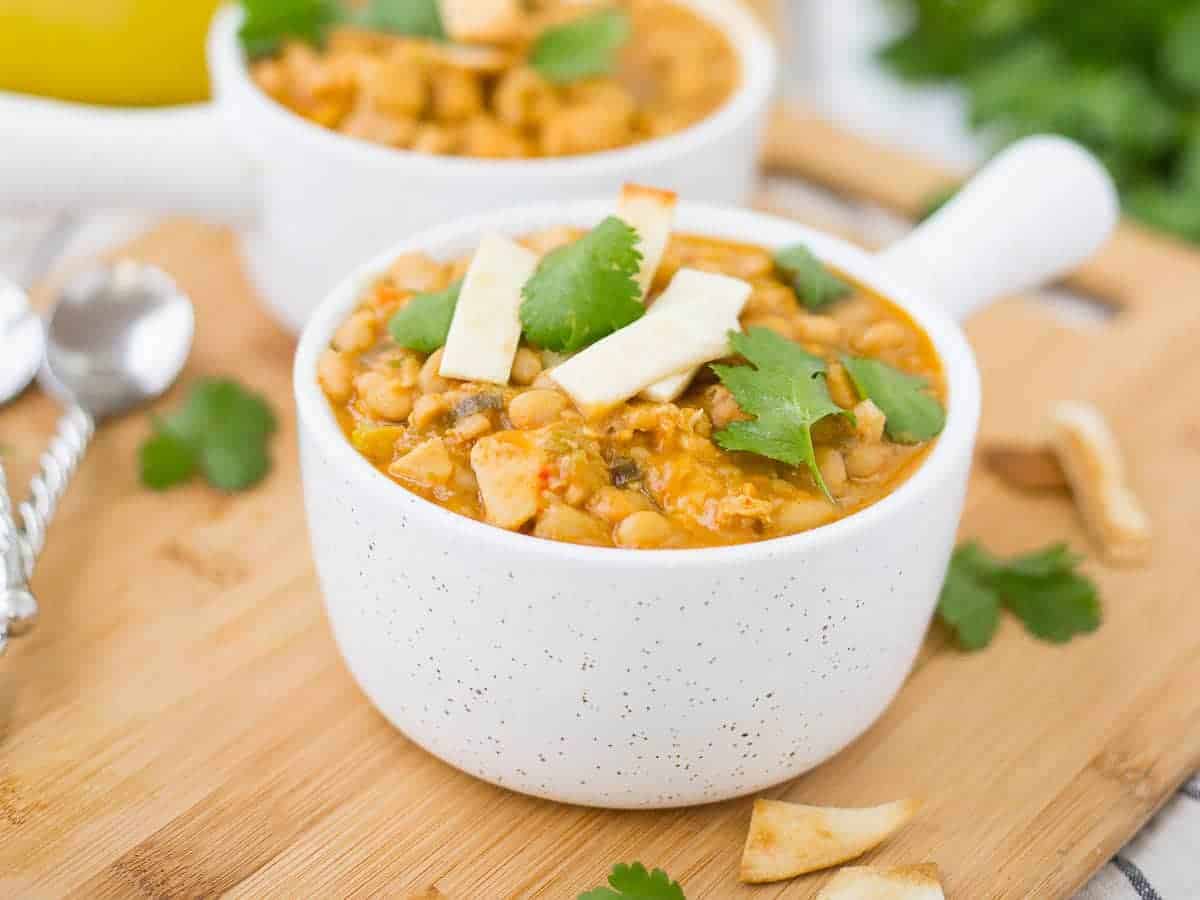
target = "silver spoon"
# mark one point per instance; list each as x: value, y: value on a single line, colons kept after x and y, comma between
x: 115, y: 338
x: 21, y: 341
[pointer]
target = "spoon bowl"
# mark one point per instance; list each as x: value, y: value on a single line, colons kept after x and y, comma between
x: 116, y: 337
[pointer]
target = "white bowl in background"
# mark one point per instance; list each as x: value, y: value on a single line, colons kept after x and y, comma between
x: 313, y: 202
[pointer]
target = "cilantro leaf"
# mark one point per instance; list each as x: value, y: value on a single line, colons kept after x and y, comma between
x: 418, y: 18
x: 166, y: 459
x: 231, y: 461
x: 1057, y: 608
x: 424, y: 321
x: 784, y: 389
x: 913, y: 414
x: 585, y: 290
x: 935, y: 201
x: 815, y: 285
x: 968, y: 605
x: 269, y: 22
x: 221, y: 430
x: 634, y: 882
x: 583, y: 48
x: 1042, y: 589
x: 1181, y: 53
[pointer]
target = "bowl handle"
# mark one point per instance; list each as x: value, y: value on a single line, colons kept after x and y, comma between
x: 1032, y: 214
x: 72, y: 156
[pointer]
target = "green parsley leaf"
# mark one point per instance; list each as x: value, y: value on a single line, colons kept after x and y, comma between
x: 585, y: 290
x: 935, y: 201
x: 784, y: 389
x: 221, y: 430
x: 166, y: 459
x: 423, y: 322
x: 968, y: 605
x: 583, y: 48
x: 1181, y: 52
x: 634, y: 882
x: 1042, y: 589
x: 269, y: 22
x: 418, y: 18
x: 815, y: 285
x: 913, y: 414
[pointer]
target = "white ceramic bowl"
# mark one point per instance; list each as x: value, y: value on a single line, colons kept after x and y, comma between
x: 313, y: 202
x: 627, y: 678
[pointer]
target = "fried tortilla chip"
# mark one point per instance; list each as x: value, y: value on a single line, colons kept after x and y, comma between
x: 884, y: 883
x: 787, y: 839
x: 1089, y: 454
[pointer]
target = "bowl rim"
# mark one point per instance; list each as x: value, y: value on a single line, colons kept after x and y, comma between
x: 754, y: 47
x: 316, y: 418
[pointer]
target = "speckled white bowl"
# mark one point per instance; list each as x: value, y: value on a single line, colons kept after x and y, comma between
x: 628, y: 678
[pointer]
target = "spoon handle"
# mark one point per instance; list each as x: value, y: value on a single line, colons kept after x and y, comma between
x: 58, y: 464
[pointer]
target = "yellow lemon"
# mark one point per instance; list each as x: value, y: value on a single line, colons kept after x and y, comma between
x: 126, y: 52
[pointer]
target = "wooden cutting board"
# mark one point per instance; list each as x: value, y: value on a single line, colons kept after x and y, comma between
x: 180, y: 724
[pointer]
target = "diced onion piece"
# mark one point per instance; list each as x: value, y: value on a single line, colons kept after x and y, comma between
x: 486, y: 328
x: 650, y: 212
x: 482, y: 21
x: 692, y: 328
x: 690, y: 287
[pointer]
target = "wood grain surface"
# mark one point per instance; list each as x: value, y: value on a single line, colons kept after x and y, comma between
x: 180, y: 724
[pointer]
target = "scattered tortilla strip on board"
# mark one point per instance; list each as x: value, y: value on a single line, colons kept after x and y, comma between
x: 1088, y: 452
x: 481, y: 21
x: 663, y: 342
x: 486, y: 327
x: 692, y: 287
x: 651, y: 213
x: 1026, y: 466
x: 788, y: 839
x: 884, y: 883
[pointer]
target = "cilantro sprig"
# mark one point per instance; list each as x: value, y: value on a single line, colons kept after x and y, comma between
x: 268, y: 23
x: 582, y: 48
x: 635, y: 882
x: 814, y: 284
x: 1122, y: 78
x: 784, y: 389
x: 913, y: 414
x: 417, y: 18
x: 585, y: 290
x: 424, y: 321
x: 221, y: 431
x: 1043, y: 589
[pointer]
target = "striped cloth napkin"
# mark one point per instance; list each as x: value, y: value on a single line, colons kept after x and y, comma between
x: 1160, y: 863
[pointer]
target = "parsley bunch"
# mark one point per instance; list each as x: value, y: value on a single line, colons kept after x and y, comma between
x: 1121, y: 77
x: 634, y: 882
x: 1043, y: 589
x: 220, y: 431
